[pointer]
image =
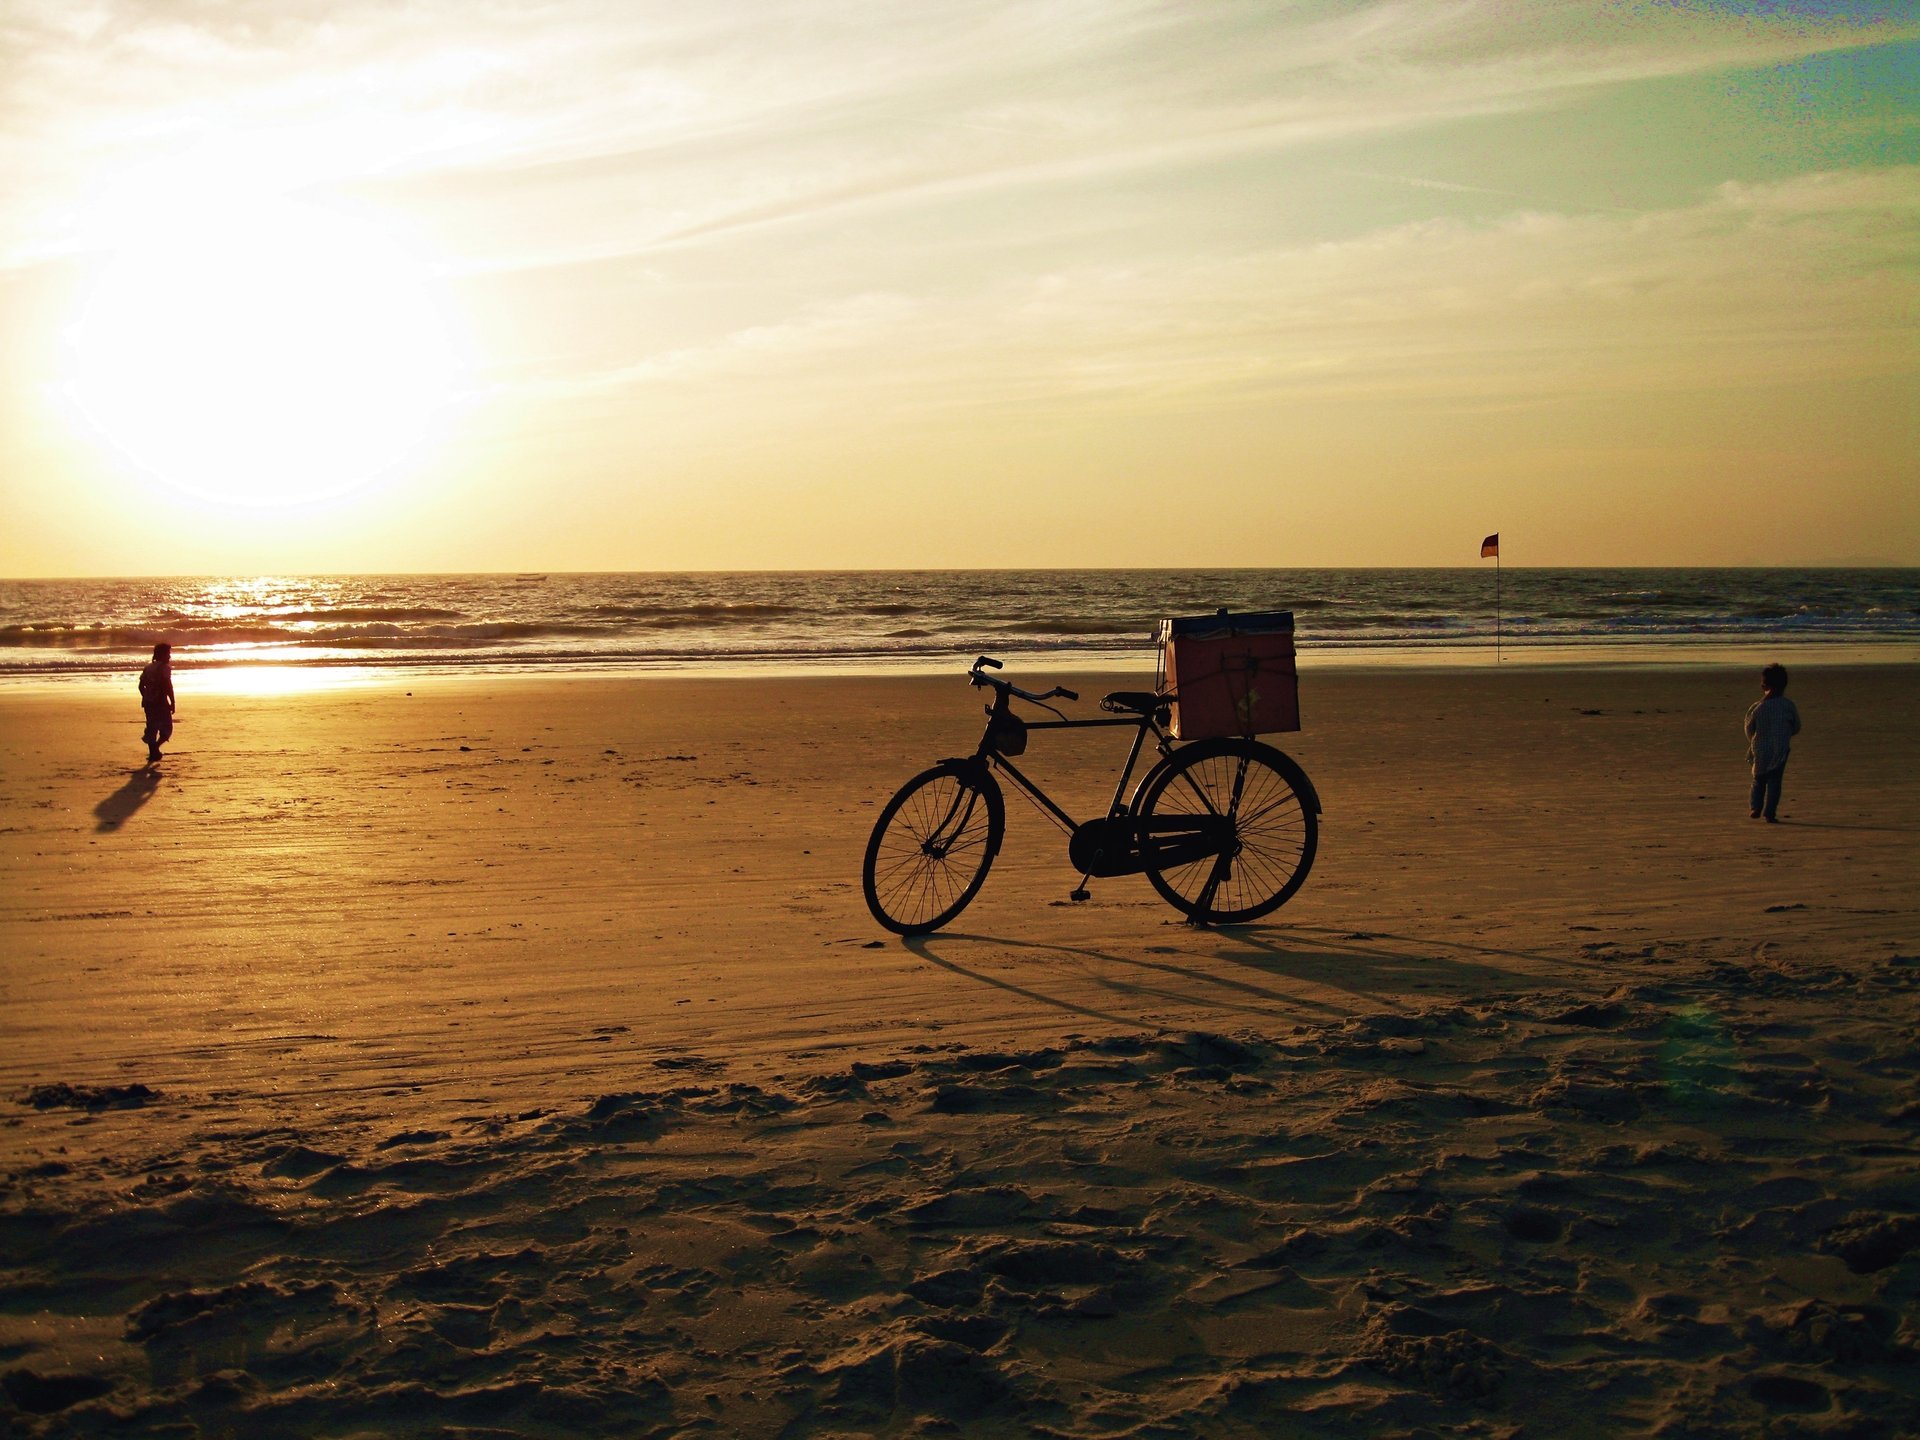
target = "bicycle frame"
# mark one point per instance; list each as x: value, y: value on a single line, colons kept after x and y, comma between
x: 1108, y: 846
x: 1142, y: 725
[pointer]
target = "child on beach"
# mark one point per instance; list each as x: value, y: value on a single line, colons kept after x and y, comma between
x: 156, y: 698
x: 1772, y: 722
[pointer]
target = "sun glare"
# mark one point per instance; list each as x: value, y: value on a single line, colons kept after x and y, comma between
x: 264, y: 353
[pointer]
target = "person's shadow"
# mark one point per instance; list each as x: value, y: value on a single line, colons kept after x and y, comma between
x: 118, y: 808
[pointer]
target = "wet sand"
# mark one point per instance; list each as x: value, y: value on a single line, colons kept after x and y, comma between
x: 517, y: 1057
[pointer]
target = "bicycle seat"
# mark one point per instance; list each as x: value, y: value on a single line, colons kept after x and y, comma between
x: 1140, y: 702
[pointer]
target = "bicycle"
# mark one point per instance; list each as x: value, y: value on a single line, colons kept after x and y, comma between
x: 1225, y: 829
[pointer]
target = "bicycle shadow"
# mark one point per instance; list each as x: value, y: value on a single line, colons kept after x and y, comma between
x: 1244, y: 996
x: 1318, y: 973
x: 1354, y: 940
x: 121, y: 806
x: 1339, y: 959
x: 918, y: 945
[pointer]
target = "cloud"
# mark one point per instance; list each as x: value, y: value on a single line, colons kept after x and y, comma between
x: 1022, y: 101
x: 1753, y: 286
x: 770, y: 111
x: 1020, y: 205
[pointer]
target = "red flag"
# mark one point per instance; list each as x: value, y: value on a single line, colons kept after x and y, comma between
x: 1490, y: 545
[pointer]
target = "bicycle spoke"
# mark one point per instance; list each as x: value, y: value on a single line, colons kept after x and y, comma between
x: 1270, y: 830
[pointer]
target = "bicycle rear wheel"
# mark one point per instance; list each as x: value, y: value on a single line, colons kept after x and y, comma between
x: 932, y: 846
x: 1228, y: 830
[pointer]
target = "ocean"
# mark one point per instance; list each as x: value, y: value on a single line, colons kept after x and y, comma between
x: 929, y: 619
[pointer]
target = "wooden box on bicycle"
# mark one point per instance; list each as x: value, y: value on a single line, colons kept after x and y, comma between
x: 1230, y: 674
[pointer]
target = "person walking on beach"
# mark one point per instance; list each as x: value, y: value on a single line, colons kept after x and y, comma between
x: 1772, y: 722
x: 156, y: 698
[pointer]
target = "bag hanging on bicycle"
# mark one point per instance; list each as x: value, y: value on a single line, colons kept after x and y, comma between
x: 1230, y: 674
x: 1007, y: 734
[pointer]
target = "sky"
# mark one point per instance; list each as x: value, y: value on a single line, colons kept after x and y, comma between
x: 458, y: 285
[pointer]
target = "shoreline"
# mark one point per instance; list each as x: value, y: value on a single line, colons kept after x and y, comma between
x: 247, y: 675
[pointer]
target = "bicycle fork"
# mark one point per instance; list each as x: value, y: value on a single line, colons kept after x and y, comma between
x: 940, y: 839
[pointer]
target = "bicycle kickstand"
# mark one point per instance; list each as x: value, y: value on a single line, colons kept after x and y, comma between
x: 1207, y: 892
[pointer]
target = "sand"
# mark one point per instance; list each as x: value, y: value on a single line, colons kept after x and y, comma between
x: 516, y: 1057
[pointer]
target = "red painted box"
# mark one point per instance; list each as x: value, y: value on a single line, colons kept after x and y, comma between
x: 1230, y: 674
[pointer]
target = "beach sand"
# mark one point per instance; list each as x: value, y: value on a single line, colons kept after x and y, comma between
x: 517, y: 1057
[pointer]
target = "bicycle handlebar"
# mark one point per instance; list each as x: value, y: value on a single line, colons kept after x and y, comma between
x: 1059, y: 691
x: 1009, y: 688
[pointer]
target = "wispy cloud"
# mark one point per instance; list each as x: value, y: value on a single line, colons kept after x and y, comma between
x: 752, y: 113
x: 1753, y: 285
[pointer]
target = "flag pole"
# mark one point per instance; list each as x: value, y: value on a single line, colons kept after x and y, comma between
x: 1491, y: 546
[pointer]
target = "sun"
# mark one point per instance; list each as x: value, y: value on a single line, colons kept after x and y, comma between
x: 263, y: 352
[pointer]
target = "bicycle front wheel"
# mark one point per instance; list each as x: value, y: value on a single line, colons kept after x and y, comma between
x: 932, y: 846
x: 1228, y: 830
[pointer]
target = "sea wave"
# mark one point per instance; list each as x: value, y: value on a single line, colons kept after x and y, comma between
x: 296, y: 615
x: 745, y: 618
x: 1062, y: 625
x: 746, y: 611
x: 368, y: 612
x: 306, y: 635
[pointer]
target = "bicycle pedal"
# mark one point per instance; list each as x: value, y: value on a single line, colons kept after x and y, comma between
x: 1080, y: 892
